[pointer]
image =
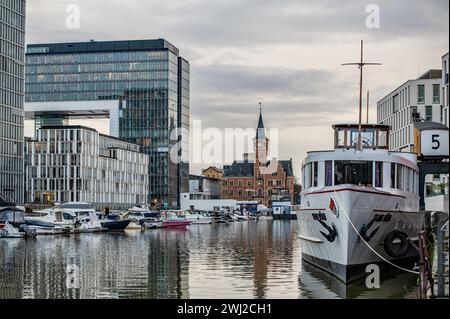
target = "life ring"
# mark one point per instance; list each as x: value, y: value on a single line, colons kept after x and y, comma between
x: 389, y: 244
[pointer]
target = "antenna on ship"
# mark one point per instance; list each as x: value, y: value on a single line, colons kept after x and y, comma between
x: 361, y: 64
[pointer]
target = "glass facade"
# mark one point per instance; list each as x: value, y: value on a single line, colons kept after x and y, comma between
x: 12, y: 51
x: 150, y: 81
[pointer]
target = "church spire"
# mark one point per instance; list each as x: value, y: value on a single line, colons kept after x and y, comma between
x: 260, y: 130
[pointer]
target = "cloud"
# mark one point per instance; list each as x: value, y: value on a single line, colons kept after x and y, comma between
x: 242, y: 23
x: 284, y: 53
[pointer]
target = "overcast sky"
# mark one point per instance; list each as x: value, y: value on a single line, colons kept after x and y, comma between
x: 284, y: 53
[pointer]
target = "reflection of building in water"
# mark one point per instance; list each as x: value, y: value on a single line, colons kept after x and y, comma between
x: 254, y: 254
x: 273, y: 251
x: 27, y: 272
x: 317, y: 284
x: 96, y: 266
x: 168, y: 264
x: 11, y: 283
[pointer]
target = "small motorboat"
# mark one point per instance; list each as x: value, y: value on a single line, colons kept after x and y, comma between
x: 46, y: 228
x: 115, y: 224
x: 9, y: 231
x: 199, y: 219
x: 12, y: 222
x: 240, y: 217
x: 113, y: 221
x: 175, y: 221
x: 148, y: 224
x: 138, y: 216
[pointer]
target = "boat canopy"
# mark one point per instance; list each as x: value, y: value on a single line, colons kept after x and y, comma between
x: 373, y: 136
x: 12, y: 215
x: 76, y: 205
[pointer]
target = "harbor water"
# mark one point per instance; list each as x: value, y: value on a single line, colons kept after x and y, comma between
x: 252, y: 259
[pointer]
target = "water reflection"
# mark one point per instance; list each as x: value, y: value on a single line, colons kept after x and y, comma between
x: 238, y: 260
x: 317, y: 284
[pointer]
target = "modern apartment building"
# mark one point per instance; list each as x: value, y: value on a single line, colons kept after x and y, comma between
x: 445, y: 93
x: 143, y: 87
x: 422, y: 96
x: 12, y: 54
x: 76, y: 163
x: 428, y: 97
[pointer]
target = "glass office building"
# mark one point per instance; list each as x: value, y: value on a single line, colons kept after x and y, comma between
x: 149, y: 81
x: 12, y: 53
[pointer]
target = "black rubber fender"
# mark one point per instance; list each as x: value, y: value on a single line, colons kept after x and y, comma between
x: 389, y: 244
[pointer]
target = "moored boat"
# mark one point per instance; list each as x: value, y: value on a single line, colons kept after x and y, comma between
x: 359, y: 206
x: 199, y: 218
x: 173, y: 220
x: 12, y: 222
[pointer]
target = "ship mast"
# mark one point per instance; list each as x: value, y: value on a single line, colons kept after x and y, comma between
x: 361, y: 64
x: 367, y: 111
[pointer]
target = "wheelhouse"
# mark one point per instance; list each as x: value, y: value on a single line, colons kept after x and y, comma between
x: 374, y: 167
x: 373, y: 136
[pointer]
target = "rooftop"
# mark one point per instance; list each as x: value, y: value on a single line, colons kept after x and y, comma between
x: 81, y: 127
x: 245, y: 168
x: 431, y: 74
x: 101, y: 46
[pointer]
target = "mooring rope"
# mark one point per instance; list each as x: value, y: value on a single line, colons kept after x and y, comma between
x: 367, y: 244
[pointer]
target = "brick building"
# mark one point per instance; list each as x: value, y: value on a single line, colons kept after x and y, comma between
x: 257, y: 178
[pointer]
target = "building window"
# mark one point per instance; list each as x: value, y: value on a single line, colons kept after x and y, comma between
x: 421, y: 94
x: 436, y: 93
x: 395, y: 103
x: 429, y: 113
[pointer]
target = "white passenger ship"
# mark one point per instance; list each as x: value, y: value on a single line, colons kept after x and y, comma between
x: 359, y: 205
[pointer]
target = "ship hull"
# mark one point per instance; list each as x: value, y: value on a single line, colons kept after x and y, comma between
x: 345, y: 229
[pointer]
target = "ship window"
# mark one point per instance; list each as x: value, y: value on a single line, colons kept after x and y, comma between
x: 383, y: 138
x: 378, y: 174
x: 368, y: 138
x: 400, y: 177
x: 410, y: 185
x: 316, y: 174
x: 353, y: 172
x: 307, y: 175
x: 328, y: 173
x: 393, y: 175
x: 341, y: 138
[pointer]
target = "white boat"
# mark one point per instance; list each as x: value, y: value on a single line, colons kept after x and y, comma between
x: 9, y: 231
x: 50, y: 220
x: 199, y: 218
x: 241, y: 217
x: 12, y: 222
x: 152, y: 223
x: 67, y: 217
x: 359, y: 203
x: 138, y: 216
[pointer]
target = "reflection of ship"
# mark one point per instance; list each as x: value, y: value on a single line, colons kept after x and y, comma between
x: 318, y: 284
